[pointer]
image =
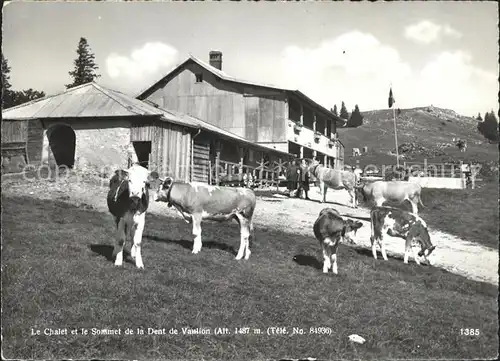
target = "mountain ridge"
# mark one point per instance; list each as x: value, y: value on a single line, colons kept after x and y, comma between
x: 433, y: 130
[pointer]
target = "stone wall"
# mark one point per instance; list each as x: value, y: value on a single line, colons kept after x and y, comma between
x: 100, y: 144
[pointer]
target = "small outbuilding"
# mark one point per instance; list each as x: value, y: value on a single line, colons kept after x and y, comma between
x: 94, y: 127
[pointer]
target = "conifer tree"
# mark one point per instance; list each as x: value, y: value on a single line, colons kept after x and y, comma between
x: 85, y: 65
x: 343, y: 112
x: 489, y: 127
x: 356, y: 118
x: 6, y: 92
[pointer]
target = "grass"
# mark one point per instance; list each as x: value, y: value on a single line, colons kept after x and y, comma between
x: 58, y: 272
x: 471, y: 214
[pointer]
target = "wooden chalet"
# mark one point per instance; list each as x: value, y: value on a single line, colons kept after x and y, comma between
x: 283, y: 119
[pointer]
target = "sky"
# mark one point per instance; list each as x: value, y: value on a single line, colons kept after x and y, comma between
x: 432, y: 53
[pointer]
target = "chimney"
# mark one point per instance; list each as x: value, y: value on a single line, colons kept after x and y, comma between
x: 215, y: 58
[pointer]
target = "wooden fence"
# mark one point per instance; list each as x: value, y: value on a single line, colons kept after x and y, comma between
x: 266, y: 174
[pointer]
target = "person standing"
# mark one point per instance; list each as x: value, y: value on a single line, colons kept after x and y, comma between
x: 292, y: 177
x: 303, y: 179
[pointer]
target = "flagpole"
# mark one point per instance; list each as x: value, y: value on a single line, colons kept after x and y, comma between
x: 391, y: 103
x: 395, y: 136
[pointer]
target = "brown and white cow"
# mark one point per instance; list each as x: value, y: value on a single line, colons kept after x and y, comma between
x: 380, y: 192
x: 398, y: 223
x: 198, y: 201
x: 128, y: 201
x: 335, y: 179
x: 329, y: 229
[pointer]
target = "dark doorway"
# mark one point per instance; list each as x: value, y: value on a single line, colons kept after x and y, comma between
x: 294, y: 148
x: 143, y: 150
x: 62, y: 142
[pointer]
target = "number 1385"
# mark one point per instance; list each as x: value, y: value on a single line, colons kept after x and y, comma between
x: 469, y: 331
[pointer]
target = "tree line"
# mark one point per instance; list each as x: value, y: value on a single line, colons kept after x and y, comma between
x: 488, y: 126
x: 355, y: 119
x: 84, y: 71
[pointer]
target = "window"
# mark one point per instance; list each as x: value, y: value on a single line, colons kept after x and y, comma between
x: 199, y: 78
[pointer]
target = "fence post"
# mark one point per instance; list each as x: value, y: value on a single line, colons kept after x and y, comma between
x: 462, y: 176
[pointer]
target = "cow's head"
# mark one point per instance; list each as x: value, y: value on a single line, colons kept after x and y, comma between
x: 138, y: 179
x: 420, y: 234
x: 350, y: 229
x: 162, y: 190
x: 360, y: 189
x: 358, y: 172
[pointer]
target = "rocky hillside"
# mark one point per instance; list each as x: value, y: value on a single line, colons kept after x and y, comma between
x: 426, y: 132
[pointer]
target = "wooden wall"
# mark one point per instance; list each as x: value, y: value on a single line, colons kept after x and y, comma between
x: 201, y: 160
x: 14, y: 131
x: 170, y: 148
x: 29, y: 132
x: 265, y: 119
x: 251, y: 112
x: 35, y: 141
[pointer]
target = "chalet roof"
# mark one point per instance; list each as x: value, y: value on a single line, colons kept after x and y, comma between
x: 222, y: 75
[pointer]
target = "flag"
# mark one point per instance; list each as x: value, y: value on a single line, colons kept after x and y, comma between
x: 391, y: 99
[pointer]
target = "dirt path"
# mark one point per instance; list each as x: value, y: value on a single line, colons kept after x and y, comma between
x: 293, y: 215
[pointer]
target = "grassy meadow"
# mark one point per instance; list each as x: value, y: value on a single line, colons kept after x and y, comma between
x: 58, y: 272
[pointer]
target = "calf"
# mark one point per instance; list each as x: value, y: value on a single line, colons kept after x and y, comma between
x: 329, y: 228
x: 128, y: 200
x: 398, y: 223
x: 198, y: 201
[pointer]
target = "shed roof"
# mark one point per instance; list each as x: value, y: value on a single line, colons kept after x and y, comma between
x: 87, y: 100
x: 94, y: 100
x: 222, y: 75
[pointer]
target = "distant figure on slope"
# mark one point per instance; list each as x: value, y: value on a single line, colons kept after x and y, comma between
x: 462, y: 145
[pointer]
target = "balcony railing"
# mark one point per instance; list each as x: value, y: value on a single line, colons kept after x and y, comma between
x: 315, y: 140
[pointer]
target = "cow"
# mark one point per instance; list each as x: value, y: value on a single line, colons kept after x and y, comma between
x: 335, y: 179
x: 329, y: 229
x: 355, y: 152
x: 128, y: 201
x: 392, y: 191
x: 197, y: 201
x: 398, y: 223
